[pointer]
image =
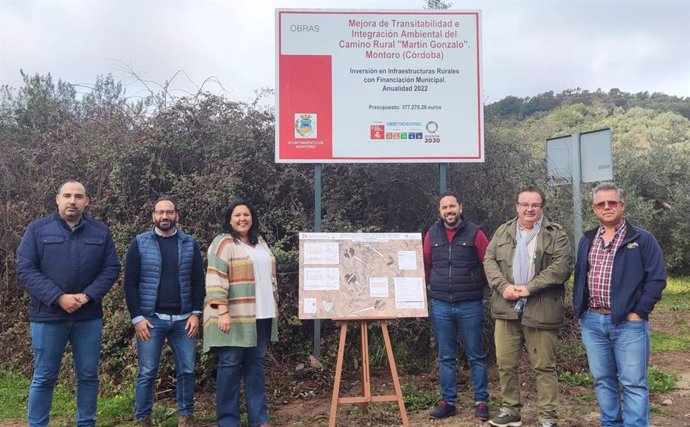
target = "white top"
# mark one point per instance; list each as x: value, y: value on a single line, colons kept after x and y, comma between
x: 263, y: 278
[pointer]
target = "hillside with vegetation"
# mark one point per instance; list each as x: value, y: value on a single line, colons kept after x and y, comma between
x: 206, y: 150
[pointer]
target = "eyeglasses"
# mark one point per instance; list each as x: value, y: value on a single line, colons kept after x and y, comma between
x: 168, y: 212
x: 613, y: 204
x: 524, y: 205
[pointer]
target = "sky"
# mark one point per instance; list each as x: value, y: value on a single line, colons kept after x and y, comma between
x: 228, y: 46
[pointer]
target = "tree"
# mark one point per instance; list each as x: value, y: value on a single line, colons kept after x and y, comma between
x: 438, y: 4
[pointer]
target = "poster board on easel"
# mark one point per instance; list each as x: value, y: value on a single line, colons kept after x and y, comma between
x: 361, y: 275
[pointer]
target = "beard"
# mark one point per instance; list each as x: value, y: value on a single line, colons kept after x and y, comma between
x: 166, y: 225
x: 453, y: 222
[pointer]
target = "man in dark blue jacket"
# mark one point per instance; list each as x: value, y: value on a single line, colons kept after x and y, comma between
x: 164, y: 288
x: 619, y: 277
x: 67, y: 262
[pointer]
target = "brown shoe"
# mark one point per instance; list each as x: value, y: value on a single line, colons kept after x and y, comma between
x: 144, y: 422
x: 186, y: 421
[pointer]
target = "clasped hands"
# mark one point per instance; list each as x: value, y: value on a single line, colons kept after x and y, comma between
x: 72, y: 302
x: 514, y: 292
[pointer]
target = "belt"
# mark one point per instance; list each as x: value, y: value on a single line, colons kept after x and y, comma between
x: 600, y: 310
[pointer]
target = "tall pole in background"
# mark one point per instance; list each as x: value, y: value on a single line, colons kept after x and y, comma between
x: 317, y: 229
x: 442, y: 167
x: 576, y: 169
x: 442, y: 176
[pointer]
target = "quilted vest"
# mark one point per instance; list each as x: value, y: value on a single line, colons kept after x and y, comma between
x: 150, y: 271
x: 456, y: 273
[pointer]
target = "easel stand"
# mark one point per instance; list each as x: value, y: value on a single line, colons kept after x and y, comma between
x: 366, y: 397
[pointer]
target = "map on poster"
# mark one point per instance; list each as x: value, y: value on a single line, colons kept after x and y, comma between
x: 362, y: 86
x: 361, y: 275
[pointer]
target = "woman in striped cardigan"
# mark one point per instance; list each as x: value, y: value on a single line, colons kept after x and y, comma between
x: 240, y: 313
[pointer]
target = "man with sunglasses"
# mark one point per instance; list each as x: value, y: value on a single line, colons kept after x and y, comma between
x: 619, y: 277
x: 164, y: 288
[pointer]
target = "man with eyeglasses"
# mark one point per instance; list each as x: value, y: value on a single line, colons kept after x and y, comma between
x: 164, y: 289
x: 619, y: 277
x: 527, y: 263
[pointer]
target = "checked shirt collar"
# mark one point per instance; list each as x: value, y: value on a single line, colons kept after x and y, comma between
x: 600, y: 261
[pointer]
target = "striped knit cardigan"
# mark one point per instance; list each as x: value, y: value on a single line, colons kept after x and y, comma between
x: 230, y: 280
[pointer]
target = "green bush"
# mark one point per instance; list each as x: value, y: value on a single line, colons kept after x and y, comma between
x: 418, y: 400
x: 206, y: 150
x: 661, y: 381
x: 576, y: 379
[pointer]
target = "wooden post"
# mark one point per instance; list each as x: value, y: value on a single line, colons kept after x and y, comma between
x: 394, y: 373
x: 366, y: 396
x: 366, y: 380
x: 338, y: 374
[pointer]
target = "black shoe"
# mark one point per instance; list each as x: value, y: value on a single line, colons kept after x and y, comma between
x: 444, y: 410
x: 481, y: 411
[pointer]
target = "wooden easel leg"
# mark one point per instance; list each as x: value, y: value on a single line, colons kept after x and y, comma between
x: 338, y: 374
x: 394, y: 374
x: 366, y: 379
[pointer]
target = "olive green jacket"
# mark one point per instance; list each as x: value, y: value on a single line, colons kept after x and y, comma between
x: 553, y: 265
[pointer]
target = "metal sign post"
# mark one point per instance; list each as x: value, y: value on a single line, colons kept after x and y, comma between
x: 442, y: 177
x: 577, y: 158
x: 575, y: 155
x: 317, y: 229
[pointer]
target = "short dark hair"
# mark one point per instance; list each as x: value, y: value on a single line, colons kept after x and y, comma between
x: 254, y: 230
x: 450, y: 193
x: 170, y: 199
x: 70, y: 181
x: 532, y: 189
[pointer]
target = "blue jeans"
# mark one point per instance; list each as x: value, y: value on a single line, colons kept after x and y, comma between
x: 618, y: 353
x: 465, y: 318
x: 232, y: 363
x: 48, y: 341
x: 149, y: 355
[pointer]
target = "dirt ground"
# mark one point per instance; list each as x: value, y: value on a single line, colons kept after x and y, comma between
x: 305, y: 402
x: 578, y: 404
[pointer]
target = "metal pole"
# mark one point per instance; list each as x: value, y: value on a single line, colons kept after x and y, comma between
x: 442, y: 176
x: 577, y: 193
x: 317, y: 229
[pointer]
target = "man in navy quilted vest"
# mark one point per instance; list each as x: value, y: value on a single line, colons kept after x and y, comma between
x: 164, y: 288
x: 453, y: 253
x: 67, y: 262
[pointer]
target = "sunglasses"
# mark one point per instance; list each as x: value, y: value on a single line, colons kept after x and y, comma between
x: 613, y: 204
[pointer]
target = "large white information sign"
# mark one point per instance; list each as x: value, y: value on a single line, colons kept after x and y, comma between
x: 378, y: 86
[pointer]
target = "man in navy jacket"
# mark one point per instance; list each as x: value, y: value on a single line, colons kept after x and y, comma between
x: 165, y: 288
x: 67, y: 262
x: 619, y: 277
